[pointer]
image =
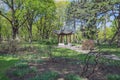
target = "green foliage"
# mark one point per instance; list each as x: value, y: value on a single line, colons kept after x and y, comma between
x: 61, y: 7
x: 51, y: 41
x: 46, y: 16
x: 113, y: 77
x: 5, y: 27
x: 109, y: 33
x: 72, y: 77
x: 79, y: 37
x: 49, y: 75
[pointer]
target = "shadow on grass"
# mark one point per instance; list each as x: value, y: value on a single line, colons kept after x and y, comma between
x: 5, y: 64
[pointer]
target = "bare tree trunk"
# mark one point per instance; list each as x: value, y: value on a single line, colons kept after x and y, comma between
x: 15, y: 32
x: 29, y: 26
x: 119, y: 31
x: 118, y: 38
x: 105, y: 28
x: 0, y: 32
x: 45, y: 26
x: 74, y: 39
x: 30, y: 34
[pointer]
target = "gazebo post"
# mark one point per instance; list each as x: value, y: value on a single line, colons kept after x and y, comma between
x: 69, y: 39
x: 66, y: 39
x: 61, y: 42
x: 63, y: 39
x: 58, y: 38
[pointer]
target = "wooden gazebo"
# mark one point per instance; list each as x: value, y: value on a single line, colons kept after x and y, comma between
x: 64, y: 33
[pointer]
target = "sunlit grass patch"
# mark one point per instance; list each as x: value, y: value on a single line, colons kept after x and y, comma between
x: 110, y: 49
x: 5, y: 63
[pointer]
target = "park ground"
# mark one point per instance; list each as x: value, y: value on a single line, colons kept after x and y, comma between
x: 48, y: 62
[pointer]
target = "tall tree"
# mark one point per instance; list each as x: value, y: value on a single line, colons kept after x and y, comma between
x: 61, y: 8
x: 16, y: 15
x: 46, y: 18
x: 116, y: 14
x: 32, y: 12
x: 91, y: 11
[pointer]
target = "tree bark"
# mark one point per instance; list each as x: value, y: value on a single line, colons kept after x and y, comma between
x: 118, y: 38
x: 0, y: 34
x: 15, y: 32
x: 30, y: 34
x: 119, y: 31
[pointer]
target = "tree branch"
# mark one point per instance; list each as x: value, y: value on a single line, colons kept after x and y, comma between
x: 23, y: 22
x: 5, y: 17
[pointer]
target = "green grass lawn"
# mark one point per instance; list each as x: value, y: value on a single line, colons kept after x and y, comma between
x: 113, y: 49
x: 5, y: 63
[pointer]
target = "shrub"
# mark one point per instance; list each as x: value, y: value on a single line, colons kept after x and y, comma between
x: 88, y: 45
x: 10, y: 47
x: 72, y: 77
x: 50, y: 41
x: 20, y: 72
x: 33, y: 69
x: 49, y: 75
x: 22, y: 65
x: 113, y: 77
x: 21, y: 69
x: 39, y: 61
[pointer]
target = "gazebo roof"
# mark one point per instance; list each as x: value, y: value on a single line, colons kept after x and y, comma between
x: 64, y: 32
x: 66, y: 29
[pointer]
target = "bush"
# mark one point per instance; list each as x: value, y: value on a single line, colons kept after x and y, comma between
x: 10, y: 46
x: 88, y: 45
x: 20, y: 72
x: 49, y: 75
x: 72, y: 77
x: 113, y: 77
x: 50, y: 41
x: 21, y: 69
x: 22, y: 65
